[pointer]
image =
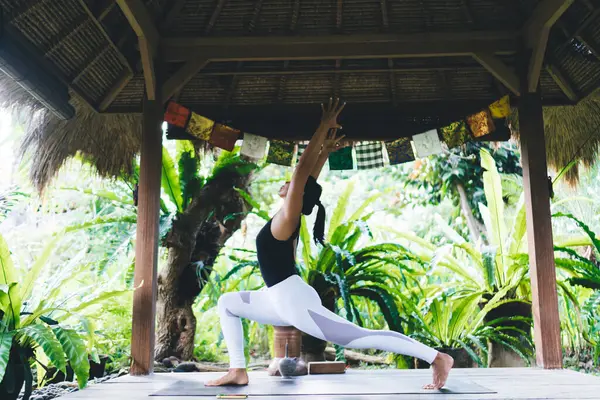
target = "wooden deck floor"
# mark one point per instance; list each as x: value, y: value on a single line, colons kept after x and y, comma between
x: 508, y: 383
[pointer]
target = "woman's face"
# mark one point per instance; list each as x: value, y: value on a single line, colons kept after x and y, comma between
x: 284, y: 190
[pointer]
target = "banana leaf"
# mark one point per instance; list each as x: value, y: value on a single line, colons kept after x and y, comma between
x: 170, y: 180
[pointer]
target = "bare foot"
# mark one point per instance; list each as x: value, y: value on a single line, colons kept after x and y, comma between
x: 235, y: 377
x: 441, y: 368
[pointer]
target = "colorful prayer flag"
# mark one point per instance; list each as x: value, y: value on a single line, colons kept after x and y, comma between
x: 400, y: 151
x: 501, y: 108
x: 456, y: 134
x: 254, y: 146
x: 481, y: 124
x: 177, y: 115
x: 200, y: 127
x: 369, y: 155
x: 281, y: 152
x: 341, y: 160
x: 427, y: 144
x: 224, y: 137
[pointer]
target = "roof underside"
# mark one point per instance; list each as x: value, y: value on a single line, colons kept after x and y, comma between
x: 95, y: 51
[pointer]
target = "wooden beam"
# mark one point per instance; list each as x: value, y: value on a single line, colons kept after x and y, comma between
x: 89, y: 62
x: 148, y: 39
x: 141, y: 21
x: 114, y: 91
x: 68, y: 32
x: 176, y: 82
x: 173, y: 13
x: 215, y: 16
x: 384, y: 15
x: 539, y: 232
x: 255, y: 15
x: 500, y: 70
x: 295, y: 15
x: 563, y: 82
x: 106, y: 9
x: 338, y: 14
x: 147, y: 241
x: 537, y: 31
x: 338, y: 46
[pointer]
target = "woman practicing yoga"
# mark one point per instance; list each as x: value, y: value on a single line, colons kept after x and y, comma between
x: 288, y: 300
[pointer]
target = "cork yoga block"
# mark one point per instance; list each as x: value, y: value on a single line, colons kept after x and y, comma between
x: 326, y: 367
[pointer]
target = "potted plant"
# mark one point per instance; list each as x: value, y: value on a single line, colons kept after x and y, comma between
x: 26, y: 326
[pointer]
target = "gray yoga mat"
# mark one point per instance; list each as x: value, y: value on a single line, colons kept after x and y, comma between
x: 308, y: 385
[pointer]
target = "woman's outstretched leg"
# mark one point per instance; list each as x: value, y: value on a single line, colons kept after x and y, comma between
x: 255, y: 306
x: 302, y: 307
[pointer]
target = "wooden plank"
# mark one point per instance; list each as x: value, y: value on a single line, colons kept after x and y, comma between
x: 146, y: 54
x: 338, y: 46
x: 112, y: 94
x: 146, y: 247
x: 141, y: 21
x: 176, y: 82
x: 563, y: 82
x: 537, y: 31
x: 326, y: 367
x: 500, y: 70
x: 539, y: 232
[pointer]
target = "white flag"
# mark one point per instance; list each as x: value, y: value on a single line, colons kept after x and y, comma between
x: 254, y: 146
x: 427, y: 144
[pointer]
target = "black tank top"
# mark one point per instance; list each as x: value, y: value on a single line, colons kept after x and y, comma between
x: 276, y: 258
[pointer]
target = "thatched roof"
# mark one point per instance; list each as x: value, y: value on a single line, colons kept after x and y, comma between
x: 403, y: 65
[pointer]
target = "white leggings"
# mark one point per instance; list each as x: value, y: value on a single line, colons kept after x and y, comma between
x: 295, y: 303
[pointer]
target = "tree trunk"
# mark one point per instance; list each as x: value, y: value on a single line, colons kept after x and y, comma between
x: 475, y: 227
x: 194, y: 242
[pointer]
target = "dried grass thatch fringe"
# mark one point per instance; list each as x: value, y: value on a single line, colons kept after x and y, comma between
x: 109, y: 142
x: 572, y: 133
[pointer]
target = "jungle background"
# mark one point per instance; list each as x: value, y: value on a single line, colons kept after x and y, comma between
x: 435, y: 249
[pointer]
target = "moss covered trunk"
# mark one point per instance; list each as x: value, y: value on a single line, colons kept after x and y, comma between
x: 194, y: 242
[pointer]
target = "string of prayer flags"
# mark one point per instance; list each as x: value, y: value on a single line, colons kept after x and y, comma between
x: 281, y: 152
x: 177, y: 115
x: 224, y: 137
x: 341, y: 160
x: 501, y: 108
x: 301, y: 148
x: 456, y: 134
x: 481, y: 124
x: 427, y: 144
x: 254, y: 146
x: 369, y: 155
x: 200, y: 127
x: 400, y: 151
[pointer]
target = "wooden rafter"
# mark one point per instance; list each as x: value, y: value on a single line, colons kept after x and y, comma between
x: 176, y: 82
x: 25, y: 8
x: 500, y: 70
x: 114, y: 91
x: 393, y: 90
x: 255, y: 15
x: 563, y: 82
x: 467, y: 11
x: 384, y: 15
x: 295, y: 15
x: 148, y: 37
x: 173, y: 12
x: 338, y: 46
x: 215, y: 16
x: 341, y: 71
x: 89, y: 63
x: 66, y: 33
x: 338, y: 14
x: 282, y: 82
x: 109, y: 5
x: 536, y: 33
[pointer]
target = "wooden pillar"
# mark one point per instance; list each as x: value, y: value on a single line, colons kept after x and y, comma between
x: 539, y: 232
x: 146, y: 246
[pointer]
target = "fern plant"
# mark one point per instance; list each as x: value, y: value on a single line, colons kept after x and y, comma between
x: 29, y: 321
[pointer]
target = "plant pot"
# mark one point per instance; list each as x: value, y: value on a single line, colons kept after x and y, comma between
x: 14, y: 378
x: 462, y: 359
x: 98, y: 370
x: 293, y: 337
x: 500, y: 356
